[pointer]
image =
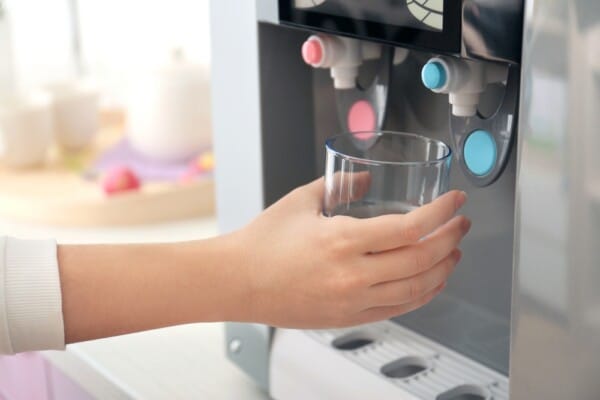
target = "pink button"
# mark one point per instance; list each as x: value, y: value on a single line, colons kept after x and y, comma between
x: 361, y: 118
x: 312, y: 52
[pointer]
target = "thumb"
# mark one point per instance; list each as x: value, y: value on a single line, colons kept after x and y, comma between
x: 316, y: 188
x: 312, y: 194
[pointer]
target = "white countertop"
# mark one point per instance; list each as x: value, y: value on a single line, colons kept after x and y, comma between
x: 181, y: 362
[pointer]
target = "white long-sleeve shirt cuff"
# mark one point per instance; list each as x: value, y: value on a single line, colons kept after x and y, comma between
x: 30, y: 297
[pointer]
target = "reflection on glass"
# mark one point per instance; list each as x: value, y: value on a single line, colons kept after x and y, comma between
x: 307, y: 3
x: 375, y: 173
x: 429, y: 12
x: 418, y: 14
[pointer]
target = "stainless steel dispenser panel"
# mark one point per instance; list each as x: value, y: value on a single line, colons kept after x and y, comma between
x: 472, y: 316
x: 556, y: 313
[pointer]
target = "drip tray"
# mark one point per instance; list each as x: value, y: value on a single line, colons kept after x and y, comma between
x: 416, y: 364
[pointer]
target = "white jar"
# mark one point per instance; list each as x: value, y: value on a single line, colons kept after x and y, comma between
x: 76, y: 112
x: 26, y: 128
x: 168, y: 116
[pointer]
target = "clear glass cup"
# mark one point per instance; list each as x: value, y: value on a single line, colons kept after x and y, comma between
x: 368, y: 174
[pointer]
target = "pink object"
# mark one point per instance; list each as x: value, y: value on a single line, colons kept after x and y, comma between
x: 362, y: 118
x: 188, y: 176
x: 312, y: 52
x: 202, y: 165
x: 120, y: 179
x: 30, y: 376
x: 147, y: 170
x: 23, y: 376
x: 192, y: 172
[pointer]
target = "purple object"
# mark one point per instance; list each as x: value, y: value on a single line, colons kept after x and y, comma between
x: 122, y: 154
x: 31, y: 376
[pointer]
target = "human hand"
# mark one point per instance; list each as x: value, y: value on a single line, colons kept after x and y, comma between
x: 304, y: 270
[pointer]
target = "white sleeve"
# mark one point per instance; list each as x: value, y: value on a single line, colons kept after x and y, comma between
x: 30, y: 297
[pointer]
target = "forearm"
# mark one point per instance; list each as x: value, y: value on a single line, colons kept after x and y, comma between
x: 113, y: 290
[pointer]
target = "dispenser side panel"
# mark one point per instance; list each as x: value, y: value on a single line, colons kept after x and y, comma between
x: 556, y: 306
x: 238, y: 150
x: 236, y: 112
x: 263, y: 134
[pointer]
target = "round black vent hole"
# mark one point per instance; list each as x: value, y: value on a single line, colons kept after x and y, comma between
x: 404, y: 367
x: 352, y: 341
x: 464, y: 392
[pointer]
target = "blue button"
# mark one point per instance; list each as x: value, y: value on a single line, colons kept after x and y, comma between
x: 434, y: 75
x: 480, y: 152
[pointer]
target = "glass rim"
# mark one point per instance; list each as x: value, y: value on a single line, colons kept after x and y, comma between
x: 329, y: 147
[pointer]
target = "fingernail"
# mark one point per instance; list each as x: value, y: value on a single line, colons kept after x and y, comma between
x: 465, y: 225
x: 457, y: 255
x: 461, y: 200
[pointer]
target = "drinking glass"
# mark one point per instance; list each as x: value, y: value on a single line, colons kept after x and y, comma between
x: 368, y: 174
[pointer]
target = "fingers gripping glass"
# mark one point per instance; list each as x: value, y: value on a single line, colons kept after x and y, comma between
x: 375, y: 173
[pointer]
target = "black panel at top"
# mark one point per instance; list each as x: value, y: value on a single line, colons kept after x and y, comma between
x: 372, y: 20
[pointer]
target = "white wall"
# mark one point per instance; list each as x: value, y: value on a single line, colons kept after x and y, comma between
x: 119, y: 38
x: 6, y: 56
x: 122, y: 38
x: 40, y: 36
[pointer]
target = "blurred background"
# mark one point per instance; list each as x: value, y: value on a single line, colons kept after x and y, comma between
x: 105, y: 137
x: 110, y: 40
x: 104, y: 112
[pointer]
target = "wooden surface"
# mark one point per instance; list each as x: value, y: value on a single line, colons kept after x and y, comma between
x: 58, y: 194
